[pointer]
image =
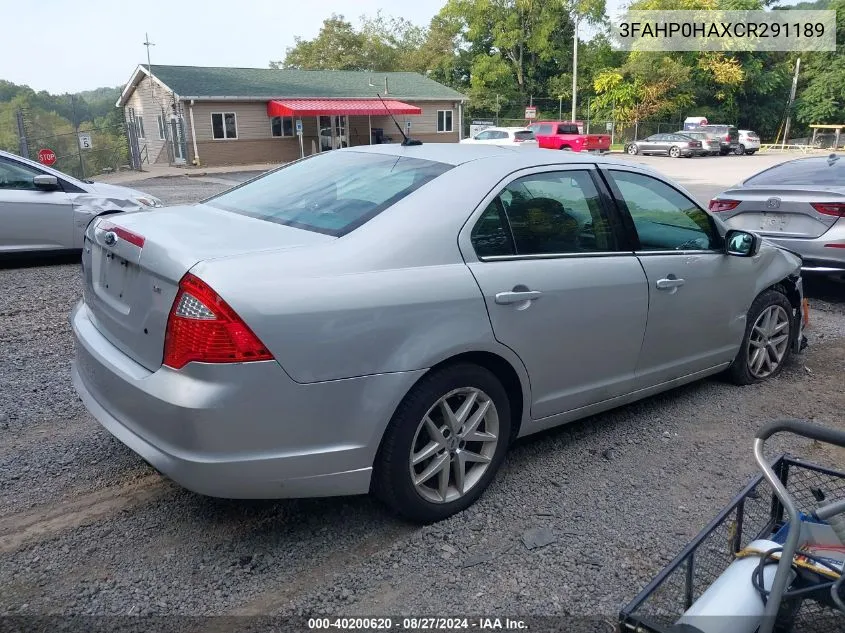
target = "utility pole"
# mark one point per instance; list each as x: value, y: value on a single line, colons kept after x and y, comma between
x: 560, y: 107
x: 497, y: 110
x: 791, y: 100
x: 22, y: 140
x: 574, y: 66
x: 76, y: 130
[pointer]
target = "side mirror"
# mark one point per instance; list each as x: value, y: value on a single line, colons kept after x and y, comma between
x: 45, y: 182
x: 742, y: 243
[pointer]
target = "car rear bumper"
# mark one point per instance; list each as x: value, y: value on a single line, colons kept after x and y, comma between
x: 818, y: 256
x: 238, y: 430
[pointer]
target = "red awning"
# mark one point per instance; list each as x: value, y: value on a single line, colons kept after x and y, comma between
x: 353, y: 107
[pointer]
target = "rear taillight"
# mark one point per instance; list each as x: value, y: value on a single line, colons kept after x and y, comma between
x: 830, y: 208
x: 203, y: 328
x: 718, y: 206
x: 122, y: 233
x: 834, y: 245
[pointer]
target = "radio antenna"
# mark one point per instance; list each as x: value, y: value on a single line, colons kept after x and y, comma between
x: 405, y: 140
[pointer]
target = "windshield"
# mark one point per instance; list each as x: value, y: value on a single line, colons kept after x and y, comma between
x: 814, y: 171
x: 332, y: 193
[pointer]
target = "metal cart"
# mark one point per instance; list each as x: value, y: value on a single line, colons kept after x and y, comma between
x: 786, y: 492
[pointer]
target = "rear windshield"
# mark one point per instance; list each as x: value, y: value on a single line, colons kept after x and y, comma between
x: 525, y: 136
x: 332, y: 193
x: 811, y: 171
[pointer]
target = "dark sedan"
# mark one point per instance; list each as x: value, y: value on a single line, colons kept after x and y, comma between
x: 674, y: 145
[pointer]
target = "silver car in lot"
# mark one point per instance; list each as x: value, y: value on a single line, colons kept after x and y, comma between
x: 710, y: 143
x: 389, y: 318
x: 674, y: 145
x: 45, y: 210
x: 799, y: 204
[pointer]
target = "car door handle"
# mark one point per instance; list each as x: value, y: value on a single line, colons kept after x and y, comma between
x: 505, y: 298
x: 669, y: 283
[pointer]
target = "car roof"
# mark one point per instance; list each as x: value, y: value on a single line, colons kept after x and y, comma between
x: 510, y: 158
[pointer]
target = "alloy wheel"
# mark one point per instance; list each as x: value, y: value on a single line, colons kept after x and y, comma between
x: 632, y: 149
x: 768, y: 342
x: 454, y: 445
x: 674, y: 152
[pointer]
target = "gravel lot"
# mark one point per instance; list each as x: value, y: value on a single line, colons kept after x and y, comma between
x: 87, y: 528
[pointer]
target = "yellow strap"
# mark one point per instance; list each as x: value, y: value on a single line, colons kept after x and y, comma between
x: 748, y: 552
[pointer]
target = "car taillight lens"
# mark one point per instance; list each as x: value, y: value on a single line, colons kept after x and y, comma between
x: 718, y: 206
x: 203, y: 328
x: 830, y: 208
x: 124, y: 234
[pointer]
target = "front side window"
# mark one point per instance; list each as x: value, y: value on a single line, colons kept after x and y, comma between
x: 281, y: 126
x: 332, y: 193
x: 484, y: 136
x: 16, y: 176
x: 664, y: 218
x: 551, y: 213
x: 224, y: 125
x: 444, y: 120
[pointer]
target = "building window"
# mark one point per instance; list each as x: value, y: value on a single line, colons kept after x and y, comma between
x: 281, y: 126
x: 224, y: 125
x: 161, y: 128
x: 140, y: 123
x: 444, y: 120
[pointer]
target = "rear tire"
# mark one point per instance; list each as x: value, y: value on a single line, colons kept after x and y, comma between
x: 566, y: 148
x: 740, y: 150
x: 764, y: 352
x: 399, y: 465
x: 675, y: 151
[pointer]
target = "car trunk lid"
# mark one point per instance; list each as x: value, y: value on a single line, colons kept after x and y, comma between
x: 781, y: 212
x: 133, y: 262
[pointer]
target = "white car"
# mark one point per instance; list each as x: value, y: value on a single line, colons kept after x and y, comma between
x: 749, y: 142
x: 519, y: 136
x: 45, y: 210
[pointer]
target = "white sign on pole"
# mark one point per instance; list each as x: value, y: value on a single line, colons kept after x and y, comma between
x: 531, y: 112
x: 85, y: 140
x: 299, y: 134
x: 608, y: 126
x: 299, y: 126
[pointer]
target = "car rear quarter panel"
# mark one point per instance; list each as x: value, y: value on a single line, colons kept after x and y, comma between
x: 394, y: 295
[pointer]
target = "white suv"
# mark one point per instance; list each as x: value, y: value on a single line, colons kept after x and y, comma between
x: 749, y: 142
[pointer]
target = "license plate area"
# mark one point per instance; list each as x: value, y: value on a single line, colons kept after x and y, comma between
x: 113, y: 278
x: 774, y: 222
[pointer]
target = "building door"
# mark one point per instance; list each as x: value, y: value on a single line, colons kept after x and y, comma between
x: 333, y: 132
x: 177, y: 140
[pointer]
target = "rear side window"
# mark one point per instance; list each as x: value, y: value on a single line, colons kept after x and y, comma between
x: 809, y: 171
x: 332, y: 193
x: 567, y: 129
x: 546, y: 214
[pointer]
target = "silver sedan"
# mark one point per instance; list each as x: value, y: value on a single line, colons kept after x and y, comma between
x: 44, y: 210
x: 799, y: 204
x: 389, y: 319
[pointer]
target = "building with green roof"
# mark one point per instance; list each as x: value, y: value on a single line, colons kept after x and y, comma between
x: 230, y: 116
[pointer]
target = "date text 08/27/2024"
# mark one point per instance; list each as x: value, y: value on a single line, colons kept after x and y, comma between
x: 417, y: 624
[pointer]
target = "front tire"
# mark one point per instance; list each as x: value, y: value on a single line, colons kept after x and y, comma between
x: 633, y: 150
x: 767, y: 344
x: 444, y: 444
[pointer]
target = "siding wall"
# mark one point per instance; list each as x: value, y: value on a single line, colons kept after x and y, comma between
x: 148, y: 100
x: 255, y: 143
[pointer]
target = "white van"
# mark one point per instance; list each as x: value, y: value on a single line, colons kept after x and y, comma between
x: 692, y: 122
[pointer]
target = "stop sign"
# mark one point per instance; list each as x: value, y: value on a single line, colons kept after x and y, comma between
x: 46, y: 156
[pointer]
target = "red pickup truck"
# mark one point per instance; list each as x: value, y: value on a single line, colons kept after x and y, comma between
x: 565, y: 135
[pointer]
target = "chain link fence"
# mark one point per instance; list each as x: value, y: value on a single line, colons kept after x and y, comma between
x: 89, y: 151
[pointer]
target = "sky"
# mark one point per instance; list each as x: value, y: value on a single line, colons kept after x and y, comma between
x: 73, y: 45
